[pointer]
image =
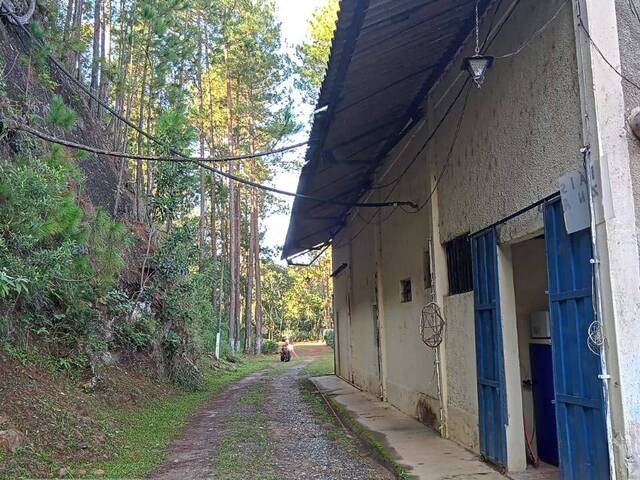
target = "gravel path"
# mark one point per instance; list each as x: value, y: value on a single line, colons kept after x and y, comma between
x: 302, y: 446
x: 261, y: 428
x: 190, y: 456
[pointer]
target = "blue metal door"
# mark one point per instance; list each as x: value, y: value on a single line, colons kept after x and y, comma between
x: 543, y: 402
x: 580, y: 416
x: 489, y: 354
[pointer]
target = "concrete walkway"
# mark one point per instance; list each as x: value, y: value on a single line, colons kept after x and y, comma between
x: 413, y: 445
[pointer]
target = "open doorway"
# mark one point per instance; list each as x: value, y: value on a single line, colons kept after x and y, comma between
x: 535, y: 357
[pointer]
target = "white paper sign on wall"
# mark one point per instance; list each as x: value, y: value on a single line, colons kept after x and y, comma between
x: 574, y: 194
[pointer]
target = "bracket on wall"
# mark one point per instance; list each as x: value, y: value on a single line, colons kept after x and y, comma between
x: 338, y: 270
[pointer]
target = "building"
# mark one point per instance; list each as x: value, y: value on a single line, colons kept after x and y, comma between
x: 483, y: 241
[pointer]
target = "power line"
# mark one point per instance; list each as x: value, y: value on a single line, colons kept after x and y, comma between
x: 195, y: 160
x: 634, y: 10
x: 449, y: 154
x: 606, y: 60
x: 486, y: 44
x: 564, y: 3
x: 198, y: 162
x: 426, y: 142
x: 155, y: 158
x: 421, y: 206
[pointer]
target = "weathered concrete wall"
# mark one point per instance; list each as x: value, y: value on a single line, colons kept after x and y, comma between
x: 519, y: 133
x: 509, y: 153
x: 342, y: 313
x: 616, y: 31
x: 364, y: 354
x: 521, y: 130
x: 629, y: 38
x: 402, y: 238
x: 461, y: 370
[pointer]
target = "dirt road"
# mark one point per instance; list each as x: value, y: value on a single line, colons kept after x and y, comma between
x: 268, y: 426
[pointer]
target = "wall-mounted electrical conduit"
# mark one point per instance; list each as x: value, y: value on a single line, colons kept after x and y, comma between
x: 596, y: 339
x: 432, y: 330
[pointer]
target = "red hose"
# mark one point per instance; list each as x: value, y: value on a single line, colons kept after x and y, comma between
x: 533, y: 459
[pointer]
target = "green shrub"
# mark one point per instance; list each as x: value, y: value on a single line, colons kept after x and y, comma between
x: 269, y: 347
x: 329, y: 337
x: 61, y: 261
x: 60, y: 115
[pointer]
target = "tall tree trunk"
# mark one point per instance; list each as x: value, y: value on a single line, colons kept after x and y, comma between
x: 105, y: 52
x: 149, y: 188
x: 124, y: 61
x: 95, y: 60
x: 248, y: 310
x: 67, y: 21
x: 212, y: 220
x: 77, y: 23
x: 140, y: 204
x: 258, y: 274
x: 202, y: 224
x: 234, y: 253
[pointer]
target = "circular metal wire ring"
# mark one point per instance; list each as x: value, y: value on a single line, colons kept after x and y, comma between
x: 432, y: 325
x: 595, y: 337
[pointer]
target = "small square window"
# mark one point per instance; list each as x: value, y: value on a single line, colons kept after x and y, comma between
x: 405, y: 290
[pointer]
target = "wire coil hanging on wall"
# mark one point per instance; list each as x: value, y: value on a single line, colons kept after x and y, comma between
x: 432, y: 325
x: 595, y: 337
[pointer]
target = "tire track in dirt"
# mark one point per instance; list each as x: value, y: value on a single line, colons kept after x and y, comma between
x: 300, y: 445
x: 190, y: 456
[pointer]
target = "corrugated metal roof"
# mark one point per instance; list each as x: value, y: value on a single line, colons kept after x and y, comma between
x: 385, y: 56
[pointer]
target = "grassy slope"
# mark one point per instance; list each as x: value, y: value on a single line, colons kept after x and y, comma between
x: 122, y: 429
x: 146, y: 433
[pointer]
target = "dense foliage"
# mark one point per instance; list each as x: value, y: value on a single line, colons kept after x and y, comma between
x: 178, y: 260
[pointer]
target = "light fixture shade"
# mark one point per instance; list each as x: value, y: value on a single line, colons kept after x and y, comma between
x: 477, y: 67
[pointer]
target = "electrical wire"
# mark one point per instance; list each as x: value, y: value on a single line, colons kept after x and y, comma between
x: 564, y: 3
x: 486, y: 44
x: 493, y: 19
x: 146, y: 134
x: 156, y: 158
x: 606, y: 60
x: 449, y: 154
x: 222, y: 173
x: 634, y: 10
x: 426, y: 142
x: 194, y: 159
x: 489, y: 41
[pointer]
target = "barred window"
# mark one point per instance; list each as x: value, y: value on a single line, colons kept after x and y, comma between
x: 459, y: 270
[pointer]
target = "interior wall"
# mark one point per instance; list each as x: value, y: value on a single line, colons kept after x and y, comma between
x: 530, y: 281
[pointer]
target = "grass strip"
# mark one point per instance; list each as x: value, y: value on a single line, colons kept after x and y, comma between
x: 323, y: 365
x: 145, y: 434
x: 243, y: 452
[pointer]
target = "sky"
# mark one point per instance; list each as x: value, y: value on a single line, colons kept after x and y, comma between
x: 294, y: 15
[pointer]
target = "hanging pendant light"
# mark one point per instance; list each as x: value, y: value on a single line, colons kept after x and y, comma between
x: 477, y: 65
